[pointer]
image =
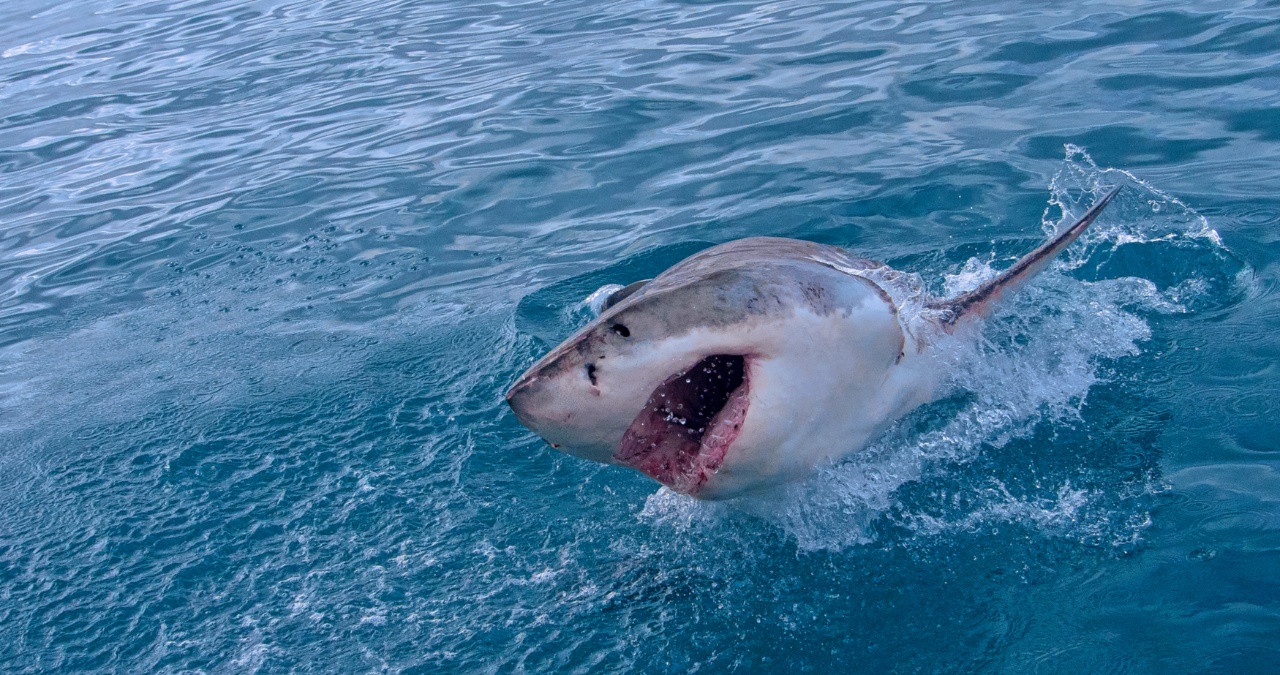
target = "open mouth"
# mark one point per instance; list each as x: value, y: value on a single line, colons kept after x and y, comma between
x: 684, y: 430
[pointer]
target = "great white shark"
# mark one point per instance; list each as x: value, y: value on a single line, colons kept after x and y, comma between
x: 748, y: 364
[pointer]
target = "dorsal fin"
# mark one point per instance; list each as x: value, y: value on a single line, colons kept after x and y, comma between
x: 979, y: 301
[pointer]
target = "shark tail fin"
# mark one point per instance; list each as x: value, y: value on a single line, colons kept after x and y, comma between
x: 980, y: 301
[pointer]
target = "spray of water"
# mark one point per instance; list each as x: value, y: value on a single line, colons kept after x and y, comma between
x: 1033, y: 364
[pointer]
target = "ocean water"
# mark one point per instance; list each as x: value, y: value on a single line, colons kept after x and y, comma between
x: 268, y: 266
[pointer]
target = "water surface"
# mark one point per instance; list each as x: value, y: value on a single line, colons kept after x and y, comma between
x: 266, y: 269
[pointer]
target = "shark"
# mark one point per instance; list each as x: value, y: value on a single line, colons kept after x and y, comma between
x: 747, y: 365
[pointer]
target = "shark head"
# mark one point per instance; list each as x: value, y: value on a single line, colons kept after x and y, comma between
x: 735, y: 370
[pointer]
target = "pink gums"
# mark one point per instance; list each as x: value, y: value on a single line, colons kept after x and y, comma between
x: 683, y: 433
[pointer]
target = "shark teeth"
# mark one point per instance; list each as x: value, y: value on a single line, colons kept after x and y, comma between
x: 683, y: 432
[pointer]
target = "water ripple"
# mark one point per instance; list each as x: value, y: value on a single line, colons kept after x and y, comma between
x: 266, y: 268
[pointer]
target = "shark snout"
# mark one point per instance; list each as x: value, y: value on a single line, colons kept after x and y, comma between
x: 562, y: 404
x: 517, y: 390
x: 527, y: 398
x: 529, y: 403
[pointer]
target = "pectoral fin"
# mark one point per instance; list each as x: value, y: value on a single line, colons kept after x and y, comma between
x: 623, y: 293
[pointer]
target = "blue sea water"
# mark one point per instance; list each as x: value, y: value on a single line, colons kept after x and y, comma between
x: 268, y: 266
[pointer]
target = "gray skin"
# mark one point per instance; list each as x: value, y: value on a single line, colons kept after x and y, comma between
x: 748, y: 364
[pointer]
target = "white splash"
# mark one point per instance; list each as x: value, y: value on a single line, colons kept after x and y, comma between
x: 1034, y: 363
x: 596, y: 301
x: 1150, y: 214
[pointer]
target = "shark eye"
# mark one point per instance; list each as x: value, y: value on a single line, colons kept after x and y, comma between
x: 620, y: 330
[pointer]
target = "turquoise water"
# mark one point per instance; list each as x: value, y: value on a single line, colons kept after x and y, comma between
x: 267, y: 267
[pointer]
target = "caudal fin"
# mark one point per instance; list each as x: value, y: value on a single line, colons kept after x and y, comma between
x: 979, y: 302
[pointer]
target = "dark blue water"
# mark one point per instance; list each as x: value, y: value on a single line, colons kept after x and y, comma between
x: 267, y: 267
